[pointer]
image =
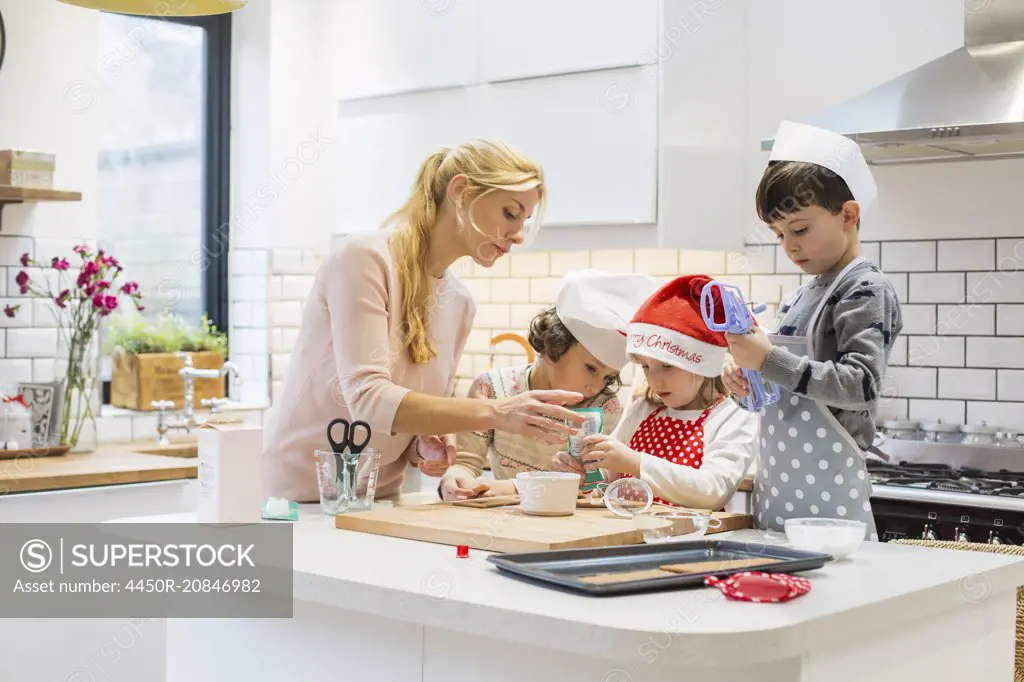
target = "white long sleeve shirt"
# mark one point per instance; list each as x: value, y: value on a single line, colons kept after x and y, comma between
x: 730, y: 448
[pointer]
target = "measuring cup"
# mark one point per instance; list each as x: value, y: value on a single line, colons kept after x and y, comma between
x: 353, y: 488
x: 674, y: 525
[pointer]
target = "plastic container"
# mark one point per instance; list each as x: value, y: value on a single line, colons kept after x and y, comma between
x: 903, y: 429
x: 838, y: 537
x: 979, y: 434
x: 673, y: 525
x: 941, y: 432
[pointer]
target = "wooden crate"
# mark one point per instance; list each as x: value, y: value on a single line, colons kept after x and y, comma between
x: 138, y: 380
x: 21, y: 168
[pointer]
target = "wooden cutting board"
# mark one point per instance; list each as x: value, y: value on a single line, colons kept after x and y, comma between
x: 507, y: 529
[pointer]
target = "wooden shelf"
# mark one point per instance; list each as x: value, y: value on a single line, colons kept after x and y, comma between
x: 16, y: 195
x: 10, y: 194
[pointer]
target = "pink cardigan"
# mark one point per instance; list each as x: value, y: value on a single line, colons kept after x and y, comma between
x: 349, y: 362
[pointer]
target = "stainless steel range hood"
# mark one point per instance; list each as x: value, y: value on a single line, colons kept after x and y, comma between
x: 968, y: 104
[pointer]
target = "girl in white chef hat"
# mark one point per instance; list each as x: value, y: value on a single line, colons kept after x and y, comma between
x: 581, y: 347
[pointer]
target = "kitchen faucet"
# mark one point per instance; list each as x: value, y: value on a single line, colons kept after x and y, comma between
x: 188, y: 419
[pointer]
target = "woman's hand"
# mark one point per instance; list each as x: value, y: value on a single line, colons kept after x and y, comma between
x: 461, y: 486
x: 602, y: 452
x: 497, y: 488
x: 437, y: 453
x: 732, y: 377
x: 539, y: 415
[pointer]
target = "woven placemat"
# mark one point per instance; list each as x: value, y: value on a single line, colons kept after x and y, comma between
x: 1013, y: 550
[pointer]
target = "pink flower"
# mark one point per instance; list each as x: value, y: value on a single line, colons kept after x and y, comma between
x: 22, y: 281
x: 83, y: 280
x: 90, y: 268
x: 63, y: 298
x: 59, y: 263
x: 97, y: 301
x: 25, y: 259
x: 90, y: 290
x: 10, y: 311
x: 140, y: 308
x: 102, y: 284
x: 110, y: 302
x: 130, y: 287
x: 82, y: 250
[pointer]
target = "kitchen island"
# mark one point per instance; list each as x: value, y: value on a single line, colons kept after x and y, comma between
x: 370, y: 607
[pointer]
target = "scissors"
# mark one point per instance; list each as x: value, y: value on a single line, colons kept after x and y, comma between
x: 350, y: 440
x: 738, y: 320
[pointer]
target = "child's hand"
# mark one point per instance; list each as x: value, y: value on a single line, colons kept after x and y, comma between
x: 461, y: 487
x: 496, y: 488
x: 749, y: 350
x: 563, y: 461
x: 602, y: 452
x: 732, y: 377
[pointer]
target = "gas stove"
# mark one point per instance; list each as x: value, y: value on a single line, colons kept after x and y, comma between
x: 942, y: 502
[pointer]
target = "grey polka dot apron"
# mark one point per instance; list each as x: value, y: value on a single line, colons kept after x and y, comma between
x: 809, y: 465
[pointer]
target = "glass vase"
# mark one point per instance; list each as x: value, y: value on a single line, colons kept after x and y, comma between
x: 77, y: 365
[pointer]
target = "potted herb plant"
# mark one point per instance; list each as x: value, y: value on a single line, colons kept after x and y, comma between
x: 146, y: 360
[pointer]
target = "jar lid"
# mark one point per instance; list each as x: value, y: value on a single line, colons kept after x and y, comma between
x: 980, y: 427
x: 941, y: 427
x: 902, y: 424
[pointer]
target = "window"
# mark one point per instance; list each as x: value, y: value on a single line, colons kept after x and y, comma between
x: 163, y: 102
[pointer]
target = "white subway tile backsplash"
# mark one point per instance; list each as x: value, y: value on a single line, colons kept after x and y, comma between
x: 741, y: 282
x: 465, y: 367
x: 872, y: 251
x: 951, y: 411
x: 462, y: 387
x: 545, y: 290
x: 511, y: 290
x: 45, y: 313
x: 16, y: 369
x: 898, y: 354
x: 967, y: 254
x: 251, y: 341
x: 42, y: 369
x: 1006, y: 415
x: 783, y: 265
x: 3, y: 343
x: 772, y: 288
x: 1011, y: 384
x: 293, y: 262
x: 612, y: 260
x: 242, y: 314
x: 993, y: 352
x: 248, y: 288
x: 31, y: 343
x: 3, y: 282
x: 918, y: 319
x: 481, y: 363
x: 11, y: 248
x: 523, y: 314
x: 297, y: 287
x: 891, y: 408
x: 908, y: 257
x: 1010, y: 320
x: 492, y: 315
x: 529, y: 264
x: 656, y: 261
x: 114, y: 429
x: 478, y: 341
x: 1010, y: 254
x: 279, y: 364
x: 564, y: 262
x: 702, y: 262
x: 286, y: 313
x: 480, y: 289
x: 935, y: 351
x: 899, y: 284
x: 753, y: 259
x: 291, y: 337
x: 995, y: 287
x: 911, y: 382
x: 968, y: 319
x: 967, y: 384
x: 936, y: 288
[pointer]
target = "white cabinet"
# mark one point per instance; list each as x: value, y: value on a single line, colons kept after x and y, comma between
x: 379, y: 47
x: 543, y: 37
x: 594, y: 133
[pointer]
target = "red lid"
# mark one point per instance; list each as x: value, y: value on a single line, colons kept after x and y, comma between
x: 767, y: 588
x: 462, y: 552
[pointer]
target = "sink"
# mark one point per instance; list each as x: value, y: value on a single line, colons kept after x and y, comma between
x: 172, y: 450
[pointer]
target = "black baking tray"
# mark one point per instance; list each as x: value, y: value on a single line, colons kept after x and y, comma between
x: 564, y: 568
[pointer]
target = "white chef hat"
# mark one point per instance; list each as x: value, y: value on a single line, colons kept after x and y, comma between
x: 596, y: 308
x: 840, y: 154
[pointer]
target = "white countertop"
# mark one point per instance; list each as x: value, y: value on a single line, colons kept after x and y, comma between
x: 426, y: 584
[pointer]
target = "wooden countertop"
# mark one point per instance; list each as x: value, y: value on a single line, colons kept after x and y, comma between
x: 111, y: 464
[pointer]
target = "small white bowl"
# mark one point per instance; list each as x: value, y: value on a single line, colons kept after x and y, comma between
x: 674, y: 525
x: 548, y: 493
x: 838, y: 537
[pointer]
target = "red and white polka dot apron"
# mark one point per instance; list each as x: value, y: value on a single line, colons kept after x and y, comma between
x: 676, y: 440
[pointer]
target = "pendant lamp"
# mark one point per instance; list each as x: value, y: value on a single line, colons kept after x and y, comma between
x: 162, y: 8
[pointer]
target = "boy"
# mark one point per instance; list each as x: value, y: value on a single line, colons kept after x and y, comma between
x: 842, y: 326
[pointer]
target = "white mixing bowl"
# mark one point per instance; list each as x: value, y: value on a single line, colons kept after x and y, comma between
x: 838, y: 537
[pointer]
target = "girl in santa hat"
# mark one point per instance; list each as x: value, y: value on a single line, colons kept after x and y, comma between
x: 682, y: 437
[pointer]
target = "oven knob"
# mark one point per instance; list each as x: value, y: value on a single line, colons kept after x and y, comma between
x: 994, y: 539
x: 960, y: 536
x: 928, y: 533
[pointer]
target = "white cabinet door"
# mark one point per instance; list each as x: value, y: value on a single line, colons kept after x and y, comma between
x: 542, y: 37
x: 595, y: 135
x: 380, y: 47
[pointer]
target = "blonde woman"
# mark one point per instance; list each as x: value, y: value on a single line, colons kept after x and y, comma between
x: 386, y: 322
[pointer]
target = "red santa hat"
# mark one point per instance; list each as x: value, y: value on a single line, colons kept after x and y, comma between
x: 669, y: 328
